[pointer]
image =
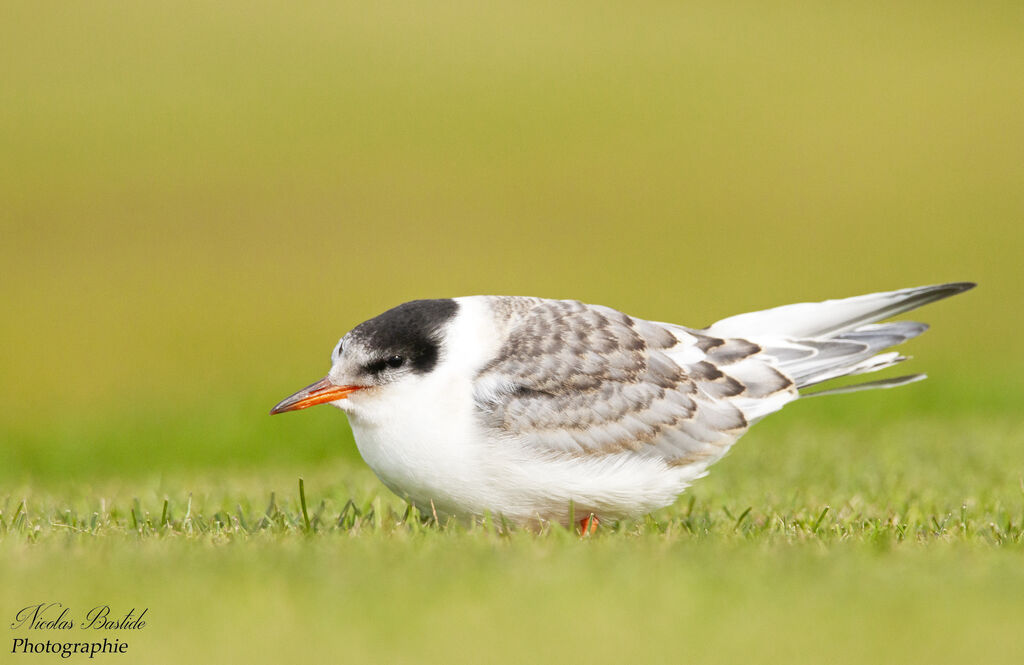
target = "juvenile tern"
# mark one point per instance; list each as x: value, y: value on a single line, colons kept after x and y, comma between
x: 523, y: 407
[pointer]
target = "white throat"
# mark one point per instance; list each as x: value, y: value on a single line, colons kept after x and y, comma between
x: 420, y: 434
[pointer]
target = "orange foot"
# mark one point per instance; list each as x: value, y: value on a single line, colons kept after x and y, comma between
x: 588, y: 525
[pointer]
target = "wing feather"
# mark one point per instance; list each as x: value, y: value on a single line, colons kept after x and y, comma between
x: 585, y: 380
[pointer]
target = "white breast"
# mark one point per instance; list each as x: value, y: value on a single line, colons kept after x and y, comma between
x: 420, y: 435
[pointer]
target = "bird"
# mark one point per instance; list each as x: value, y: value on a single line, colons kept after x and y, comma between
x: 537, y: 410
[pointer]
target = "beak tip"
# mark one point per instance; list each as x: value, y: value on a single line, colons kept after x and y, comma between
x: 285, y: 406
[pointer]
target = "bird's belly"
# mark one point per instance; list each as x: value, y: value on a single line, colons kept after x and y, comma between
x: 463, y: 474
x: 541, y: 487
x: 436, y: 468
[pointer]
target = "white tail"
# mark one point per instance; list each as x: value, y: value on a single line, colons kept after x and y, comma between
x: 815, y: 342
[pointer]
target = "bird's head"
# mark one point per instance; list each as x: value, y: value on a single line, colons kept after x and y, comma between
x: 396, y: 347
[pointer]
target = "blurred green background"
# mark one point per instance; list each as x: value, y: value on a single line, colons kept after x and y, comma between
x: 198, y: 199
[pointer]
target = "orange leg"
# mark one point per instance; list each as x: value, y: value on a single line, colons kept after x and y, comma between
x: 588, y: 525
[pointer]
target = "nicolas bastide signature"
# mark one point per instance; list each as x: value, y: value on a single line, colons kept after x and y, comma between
x: 57, y: 619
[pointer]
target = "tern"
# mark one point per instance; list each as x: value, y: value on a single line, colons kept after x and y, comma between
x: 538, y: 410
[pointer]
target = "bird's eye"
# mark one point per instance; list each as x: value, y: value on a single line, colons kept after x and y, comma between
x: 382, y: 364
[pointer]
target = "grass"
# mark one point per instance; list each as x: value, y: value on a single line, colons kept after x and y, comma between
x: 810, y: 542
x: 213, y: 521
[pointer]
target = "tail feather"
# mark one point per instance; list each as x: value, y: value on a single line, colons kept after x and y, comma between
x: 869, y: 385
x: 884, y: 335
x: 857, y: 365
x: 816, y: 342
x: 833, y: 317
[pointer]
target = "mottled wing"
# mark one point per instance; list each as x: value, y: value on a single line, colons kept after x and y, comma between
x: 585, y: 380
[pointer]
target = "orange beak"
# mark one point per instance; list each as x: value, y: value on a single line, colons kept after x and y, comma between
x: 318, y: 393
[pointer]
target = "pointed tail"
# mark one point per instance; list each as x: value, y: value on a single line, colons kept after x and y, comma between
x: 816, y: 342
